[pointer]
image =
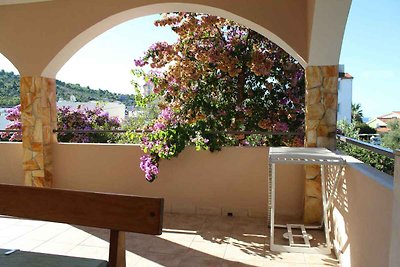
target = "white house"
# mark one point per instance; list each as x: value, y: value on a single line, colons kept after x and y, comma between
x: 381, y: 123
x: 345, y: 93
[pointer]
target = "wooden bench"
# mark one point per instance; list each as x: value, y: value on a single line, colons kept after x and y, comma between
x: 119, y: 213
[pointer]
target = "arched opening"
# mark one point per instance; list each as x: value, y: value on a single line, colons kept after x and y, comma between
x: 9, y: 91
x: 9, y: 84
x: 73, y: 172
x: 100, y: 47
x: 83, y: 38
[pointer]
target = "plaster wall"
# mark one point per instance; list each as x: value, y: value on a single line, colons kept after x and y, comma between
x: 55, y: 30
x: 345, y: 94
x: 362, y: 216
x: 232, y: 180
x: 11, y: 171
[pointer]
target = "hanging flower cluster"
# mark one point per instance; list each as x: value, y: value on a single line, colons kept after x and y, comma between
x: 14, y: 116
x: 219, y: 76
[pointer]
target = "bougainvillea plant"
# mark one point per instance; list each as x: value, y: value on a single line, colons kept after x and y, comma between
x: 218, y: 76
x: 69, y: 118
x: 14, y: 116
x: 86, y: 119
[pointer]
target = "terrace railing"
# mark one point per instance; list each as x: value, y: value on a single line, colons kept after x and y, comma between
x: 374, y: 148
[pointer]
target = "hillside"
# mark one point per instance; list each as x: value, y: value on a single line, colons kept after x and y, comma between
x: 9, y: 92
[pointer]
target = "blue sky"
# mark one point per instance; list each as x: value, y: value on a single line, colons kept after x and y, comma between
x: 370, y: 52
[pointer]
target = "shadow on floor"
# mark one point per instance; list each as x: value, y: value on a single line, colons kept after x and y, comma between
x: 193, y: 240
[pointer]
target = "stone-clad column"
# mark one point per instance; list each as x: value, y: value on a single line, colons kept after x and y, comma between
x: 320, y: 123
x: 39, y: 118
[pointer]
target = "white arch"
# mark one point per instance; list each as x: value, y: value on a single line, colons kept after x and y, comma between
x: 86, y: 36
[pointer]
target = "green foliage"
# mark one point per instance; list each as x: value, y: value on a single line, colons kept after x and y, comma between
x: 375, y: 160
x: 392, y: 138
x: 10, y: 92
x: 379, y: 162
x: 9, y: 89
x: 143, y: 117
x: 364, y: 128
x: 348, y: 129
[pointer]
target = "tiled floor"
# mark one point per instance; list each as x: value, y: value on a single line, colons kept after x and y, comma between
x: 187, y: 240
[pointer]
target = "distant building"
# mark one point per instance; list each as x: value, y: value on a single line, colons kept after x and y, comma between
x: 345, y: 95
x: 381, y: 123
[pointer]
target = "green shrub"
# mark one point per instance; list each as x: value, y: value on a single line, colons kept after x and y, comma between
x: 379, y: 162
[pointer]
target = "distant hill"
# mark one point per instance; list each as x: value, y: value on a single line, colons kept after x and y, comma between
x: 9, y: 92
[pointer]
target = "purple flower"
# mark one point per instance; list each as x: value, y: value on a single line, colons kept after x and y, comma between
x: 139, y: 62
x: 166, y: 114
x: 149, y: 166
x: 158, y: 126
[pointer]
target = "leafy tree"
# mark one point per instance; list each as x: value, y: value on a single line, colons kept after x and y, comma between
x: 219, y: 76
x: 392, y: 138
x: 67, y: 118
x: 364, y: 128
x: 10, y: 91
x: 356, y: 113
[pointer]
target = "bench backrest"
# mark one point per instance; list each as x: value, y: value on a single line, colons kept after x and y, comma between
x: 111, y: 211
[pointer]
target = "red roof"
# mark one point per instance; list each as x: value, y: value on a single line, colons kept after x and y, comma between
x: 347, y: 76
x: 393, y: 113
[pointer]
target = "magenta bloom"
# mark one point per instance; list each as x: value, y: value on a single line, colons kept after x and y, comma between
x: 166, y: 114
x: 159, y: 126
x: 139, y: 62
x: 149, y: 166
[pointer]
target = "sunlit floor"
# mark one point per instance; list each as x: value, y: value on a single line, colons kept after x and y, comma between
x: 187, y: 240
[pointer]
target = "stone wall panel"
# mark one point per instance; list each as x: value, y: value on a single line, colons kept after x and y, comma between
x: 320, y: 127
x: 39, y: 118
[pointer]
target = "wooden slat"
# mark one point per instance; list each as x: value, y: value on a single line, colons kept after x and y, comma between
x: 111, y: 211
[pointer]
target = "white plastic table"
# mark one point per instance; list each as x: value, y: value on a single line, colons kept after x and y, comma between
x: 301, y: 155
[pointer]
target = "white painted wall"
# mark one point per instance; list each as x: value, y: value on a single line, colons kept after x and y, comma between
x: 345, y: 92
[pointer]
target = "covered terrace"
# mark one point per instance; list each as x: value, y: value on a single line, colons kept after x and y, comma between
x: 38, y: 37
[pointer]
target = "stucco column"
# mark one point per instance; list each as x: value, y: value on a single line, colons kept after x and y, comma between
x: 320, y: 123
x: 394, y: 259
x: 39, y: 118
